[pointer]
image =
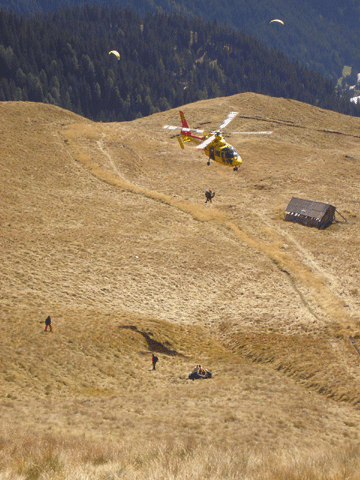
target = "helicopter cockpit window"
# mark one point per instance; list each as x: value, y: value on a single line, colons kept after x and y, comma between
x: 231, y: 152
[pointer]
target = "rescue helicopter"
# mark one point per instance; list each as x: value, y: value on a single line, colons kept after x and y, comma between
x: 213, y: 143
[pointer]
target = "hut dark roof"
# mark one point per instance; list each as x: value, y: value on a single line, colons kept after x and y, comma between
x: 308, y: 208
x: 309, y: 212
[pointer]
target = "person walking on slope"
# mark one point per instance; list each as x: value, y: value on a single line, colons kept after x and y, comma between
x: 48, y: 324
x: 154, y: 360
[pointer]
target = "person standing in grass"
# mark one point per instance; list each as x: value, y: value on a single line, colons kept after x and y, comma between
x: 48, y: 324
x: 155, y: 358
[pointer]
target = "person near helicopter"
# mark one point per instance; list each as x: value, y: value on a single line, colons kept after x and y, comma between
x: 209, y: 195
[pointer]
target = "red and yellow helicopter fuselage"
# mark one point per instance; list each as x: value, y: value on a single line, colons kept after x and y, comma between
x: 214, y: 145
x: 217, y: 149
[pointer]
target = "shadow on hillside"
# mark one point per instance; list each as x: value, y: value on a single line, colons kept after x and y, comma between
x: 154, y: 346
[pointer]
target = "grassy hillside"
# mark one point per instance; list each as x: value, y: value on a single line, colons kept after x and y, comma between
x: 104, y: 227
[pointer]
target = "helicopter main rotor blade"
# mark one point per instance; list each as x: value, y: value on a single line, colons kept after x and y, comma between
x: 228, y: 119
x: 171, y: 127
x: 206, y: 142
x: 250, y: 133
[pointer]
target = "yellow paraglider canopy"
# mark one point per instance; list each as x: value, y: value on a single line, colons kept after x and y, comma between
x: 117, y: 54
x: 277, y: 20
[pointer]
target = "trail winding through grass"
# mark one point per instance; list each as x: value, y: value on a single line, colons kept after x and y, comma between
x: 307, y: 279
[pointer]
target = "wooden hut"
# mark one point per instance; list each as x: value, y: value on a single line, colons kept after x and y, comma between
x: 310, y: 213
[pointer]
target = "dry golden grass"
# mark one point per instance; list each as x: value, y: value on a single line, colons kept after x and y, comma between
x: 104, y: 227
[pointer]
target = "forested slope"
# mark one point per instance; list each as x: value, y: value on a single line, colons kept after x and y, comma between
x: 167, y: 60
x: 322, y: 36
